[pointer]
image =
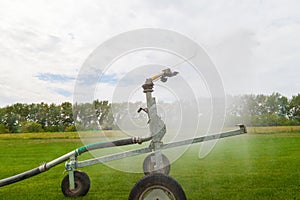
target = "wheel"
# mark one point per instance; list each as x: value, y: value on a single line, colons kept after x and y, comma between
x: 82, y: 185
x: 148, y: 165
x: 157, y: 186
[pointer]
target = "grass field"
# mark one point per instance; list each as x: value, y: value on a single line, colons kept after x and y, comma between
x: 264, y: 164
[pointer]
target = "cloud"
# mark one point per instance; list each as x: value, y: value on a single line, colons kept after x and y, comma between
x: 44, y: 43
x: 235, y: 58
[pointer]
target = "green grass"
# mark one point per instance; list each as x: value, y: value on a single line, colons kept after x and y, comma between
x: 252, y: 166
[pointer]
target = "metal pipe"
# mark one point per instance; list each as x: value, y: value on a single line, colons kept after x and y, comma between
x: 117, y: 156
x: 203, y: 138
x: 59, y: 160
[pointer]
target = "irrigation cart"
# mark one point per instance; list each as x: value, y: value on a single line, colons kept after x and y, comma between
x: 156, y: 184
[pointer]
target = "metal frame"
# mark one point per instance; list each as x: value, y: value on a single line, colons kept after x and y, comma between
x: 131, y: 153
x: 157, y: 129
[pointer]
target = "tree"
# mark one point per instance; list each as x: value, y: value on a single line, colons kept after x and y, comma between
x: 10, y: 119
x: 85, y: 117
x: 102, y: 108
x: 294, y: 108
x: 42, y: 111
x: 3, y: 128
x: 31, y: 127
x: 277, y: 104
x: 66, y: 114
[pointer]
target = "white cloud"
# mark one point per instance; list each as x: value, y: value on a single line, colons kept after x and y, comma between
x: 255, y: 44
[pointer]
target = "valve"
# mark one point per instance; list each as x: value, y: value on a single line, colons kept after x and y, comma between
x: 143, y: 109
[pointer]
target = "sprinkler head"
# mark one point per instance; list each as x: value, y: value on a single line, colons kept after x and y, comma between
x: 167, y: 73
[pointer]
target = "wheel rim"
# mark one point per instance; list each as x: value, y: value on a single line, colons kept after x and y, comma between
x: 157, y: 192
x: 77, y: 187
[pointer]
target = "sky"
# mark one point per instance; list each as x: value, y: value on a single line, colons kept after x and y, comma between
x: 254, y: 44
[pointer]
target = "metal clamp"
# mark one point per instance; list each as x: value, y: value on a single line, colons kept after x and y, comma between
x: 70, y: 167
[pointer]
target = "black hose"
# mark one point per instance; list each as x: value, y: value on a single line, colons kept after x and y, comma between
x: 101, y: 145
x: 20, y: 177
x: 35, y: 171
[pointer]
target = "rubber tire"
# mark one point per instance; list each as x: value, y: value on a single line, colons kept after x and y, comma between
x: 82, y: 185
x: 148, y: 166
x: 157, y: 181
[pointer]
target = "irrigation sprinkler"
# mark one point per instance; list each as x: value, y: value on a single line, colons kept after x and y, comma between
x: 156, y: 184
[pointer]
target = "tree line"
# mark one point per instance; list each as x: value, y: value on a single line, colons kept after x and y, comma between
x: 264, y: 110
x: 253, y: 110
x: 43, y: 117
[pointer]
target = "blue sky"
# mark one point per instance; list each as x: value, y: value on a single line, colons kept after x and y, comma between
x: 255, y: 44
x: 54, y: 77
